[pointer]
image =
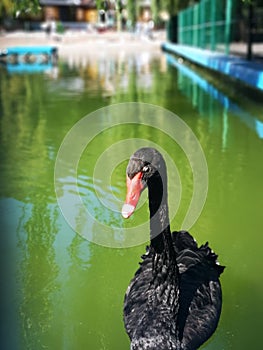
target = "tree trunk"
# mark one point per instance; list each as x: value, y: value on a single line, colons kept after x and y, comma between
x: 250, y: 32
x: 171, y: 29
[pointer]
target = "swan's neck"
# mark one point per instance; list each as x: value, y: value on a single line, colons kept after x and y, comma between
x: 160, y: 233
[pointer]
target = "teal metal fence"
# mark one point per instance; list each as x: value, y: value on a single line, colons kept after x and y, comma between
x: 207, y: 25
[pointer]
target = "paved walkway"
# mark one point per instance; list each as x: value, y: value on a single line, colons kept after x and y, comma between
x: 81, y: 40
x: 236, y: 67
x: 81, y: 43
x: 78, y: 44
x: 240, y: 49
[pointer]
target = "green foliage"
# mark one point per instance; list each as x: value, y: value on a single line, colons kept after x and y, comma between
x: 16, y: 8
x: 258, y: 3
x: 132, y: 11
x: 156, y: 9
x: 26, y: 6
x: 172, y: 7
x: 103, y: 5
x: 99, y: 4
x: 20, y: 7
x: 60, y: 28
x: 6, y: 8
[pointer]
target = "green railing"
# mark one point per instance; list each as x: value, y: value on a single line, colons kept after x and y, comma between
x: 207, y: 25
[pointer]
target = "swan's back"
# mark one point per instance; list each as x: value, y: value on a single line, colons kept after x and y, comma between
x: 174, y: 301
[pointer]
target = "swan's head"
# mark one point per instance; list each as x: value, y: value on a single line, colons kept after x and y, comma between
x: 144, y: 165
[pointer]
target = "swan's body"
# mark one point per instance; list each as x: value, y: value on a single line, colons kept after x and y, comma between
x: 174, y: 300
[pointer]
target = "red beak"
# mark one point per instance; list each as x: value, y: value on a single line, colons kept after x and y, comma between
x: 134, y: 188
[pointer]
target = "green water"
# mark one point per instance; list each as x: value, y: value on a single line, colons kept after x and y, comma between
x: 60, y: 291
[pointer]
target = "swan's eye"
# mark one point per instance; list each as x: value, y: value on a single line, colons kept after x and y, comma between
x: 145, y: 169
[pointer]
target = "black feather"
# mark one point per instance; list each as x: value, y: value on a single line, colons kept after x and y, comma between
x: 174, y: 300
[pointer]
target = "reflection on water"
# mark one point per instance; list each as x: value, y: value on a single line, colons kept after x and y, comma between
x: 63, y: 292
x: 201, y: 89
x: 110, y: 75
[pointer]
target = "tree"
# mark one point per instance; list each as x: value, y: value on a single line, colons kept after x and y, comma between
x: 173, y: 7
x: 6, y: 8
x: 132, y: 11
x: 169, y: 9
x: 25, y: 6
x: 251, y: 5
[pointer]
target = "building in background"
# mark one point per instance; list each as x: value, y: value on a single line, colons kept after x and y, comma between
x: 86, y: 11
x: 69, y: 10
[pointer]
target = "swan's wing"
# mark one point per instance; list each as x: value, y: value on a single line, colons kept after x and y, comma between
x: 200, y: 296
x: 203, y: 316
x: 183, y: 240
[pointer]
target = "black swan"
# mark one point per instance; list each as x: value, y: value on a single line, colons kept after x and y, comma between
x: 174, y: 300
